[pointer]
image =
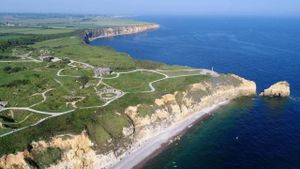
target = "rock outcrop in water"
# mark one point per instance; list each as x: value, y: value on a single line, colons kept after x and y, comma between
x: 165, y: 112
x: 279, y: 89
x: 117, y: 31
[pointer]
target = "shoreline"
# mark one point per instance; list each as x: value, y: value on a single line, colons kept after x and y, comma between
x: 173, y: 140
x: 140, y: 155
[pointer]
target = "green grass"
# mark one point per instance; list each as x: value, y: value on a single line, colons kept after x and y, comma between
x: 66, y: 21
x: 91, y: 100
x: 8, y: 36
x: 134, y: 82
x: 48, y: 31
x: 73, y: 48
x: 113, y: 123
x: 21, y: 118
x: 18, y: 88
x: 78, y: 72
x: 57, y: 98
x: 55, y: 102
x: 4, y: 130
x: 178, y: 84
x: 97, y: 133
x: 21, y: 82
x: 180, y: 72
x: 33, y: 31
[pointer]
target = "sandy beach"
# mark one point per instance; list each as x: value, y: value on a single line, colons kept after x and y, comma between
x: 140, y: 152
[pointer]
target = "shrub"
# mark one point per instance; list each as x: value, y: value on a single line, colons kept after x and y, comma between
x: 9, y: 69
x: 83, y: 80
x: 47, y: 157
x: 16, y: 83
x: 145, y: 64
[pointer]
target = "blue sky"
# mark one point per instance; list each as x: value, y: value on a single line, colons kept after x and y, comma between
x: 157, y: 7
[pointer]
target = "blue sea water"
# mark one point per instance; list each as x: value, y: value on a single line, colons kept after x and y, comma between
x: 248, y: 133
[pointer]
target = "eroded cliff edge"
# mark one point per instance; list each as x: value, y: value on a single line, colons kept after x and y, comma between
x: 92, y: 34
x: 148, y: 122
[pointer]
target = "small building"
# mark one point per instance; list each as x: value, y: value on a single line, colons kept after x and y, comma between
x: 101, y: 71
x: 3, y: 104
x: 10, y: 24
x: 55, y: 59
x: 46, y: 58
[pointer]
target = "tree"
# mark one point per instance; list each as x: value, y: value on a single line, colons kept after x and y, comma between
x: 83, y: 80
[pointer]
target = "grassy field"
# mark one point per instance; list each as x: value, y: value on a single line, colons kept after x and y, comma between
x: 56, y: 101
x: 20, y: 118
x: 73, y: 48
x: 65, y: 21
x: 4, y: 36
x: 134, y: 82
x: 180, y: 72
x: 5, y: 130
x: 103, y: 123
x: 33, y: 31
x: 78, y: 72
x: 20, y: 81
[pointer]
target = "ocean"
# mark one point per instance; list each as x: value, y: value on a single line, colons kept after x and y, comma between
x: 258, y: 133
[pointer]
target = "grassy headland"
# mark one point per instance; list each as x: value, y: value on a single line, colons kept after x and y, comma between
x: 52, y: 92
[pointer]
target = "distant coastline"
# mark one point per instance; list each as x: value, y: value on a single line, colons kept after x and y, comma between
x: 108, y: 32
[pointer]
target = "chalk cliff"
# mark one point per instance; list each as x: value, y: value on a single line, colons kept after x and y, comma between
x: 279, y: 89
x: 76, y: 153
x: 148, y: 122
x: 173, y: 107
x: 90, y: 35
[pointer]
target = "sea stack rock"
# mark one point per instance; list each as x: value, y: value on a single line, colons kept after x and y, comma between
x: 279, y: 89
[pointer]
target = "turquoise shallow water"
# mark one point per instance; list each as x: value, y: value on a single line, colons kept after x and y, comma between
x: 248, y: 133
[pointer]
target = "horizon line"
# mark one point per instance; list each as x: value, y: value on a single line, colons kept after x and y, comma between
x: 140, y: 15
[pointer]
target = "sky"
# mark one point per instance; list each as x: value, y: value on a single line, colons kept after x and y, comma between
x: 156, y: 7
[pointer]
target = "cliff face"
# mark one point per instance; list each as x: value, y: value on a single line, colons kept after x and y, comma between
x: 279, y: 89
x: 173, y: 107
x: 76, y: 153
x: 165, y: 112
x: 117, y: 31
